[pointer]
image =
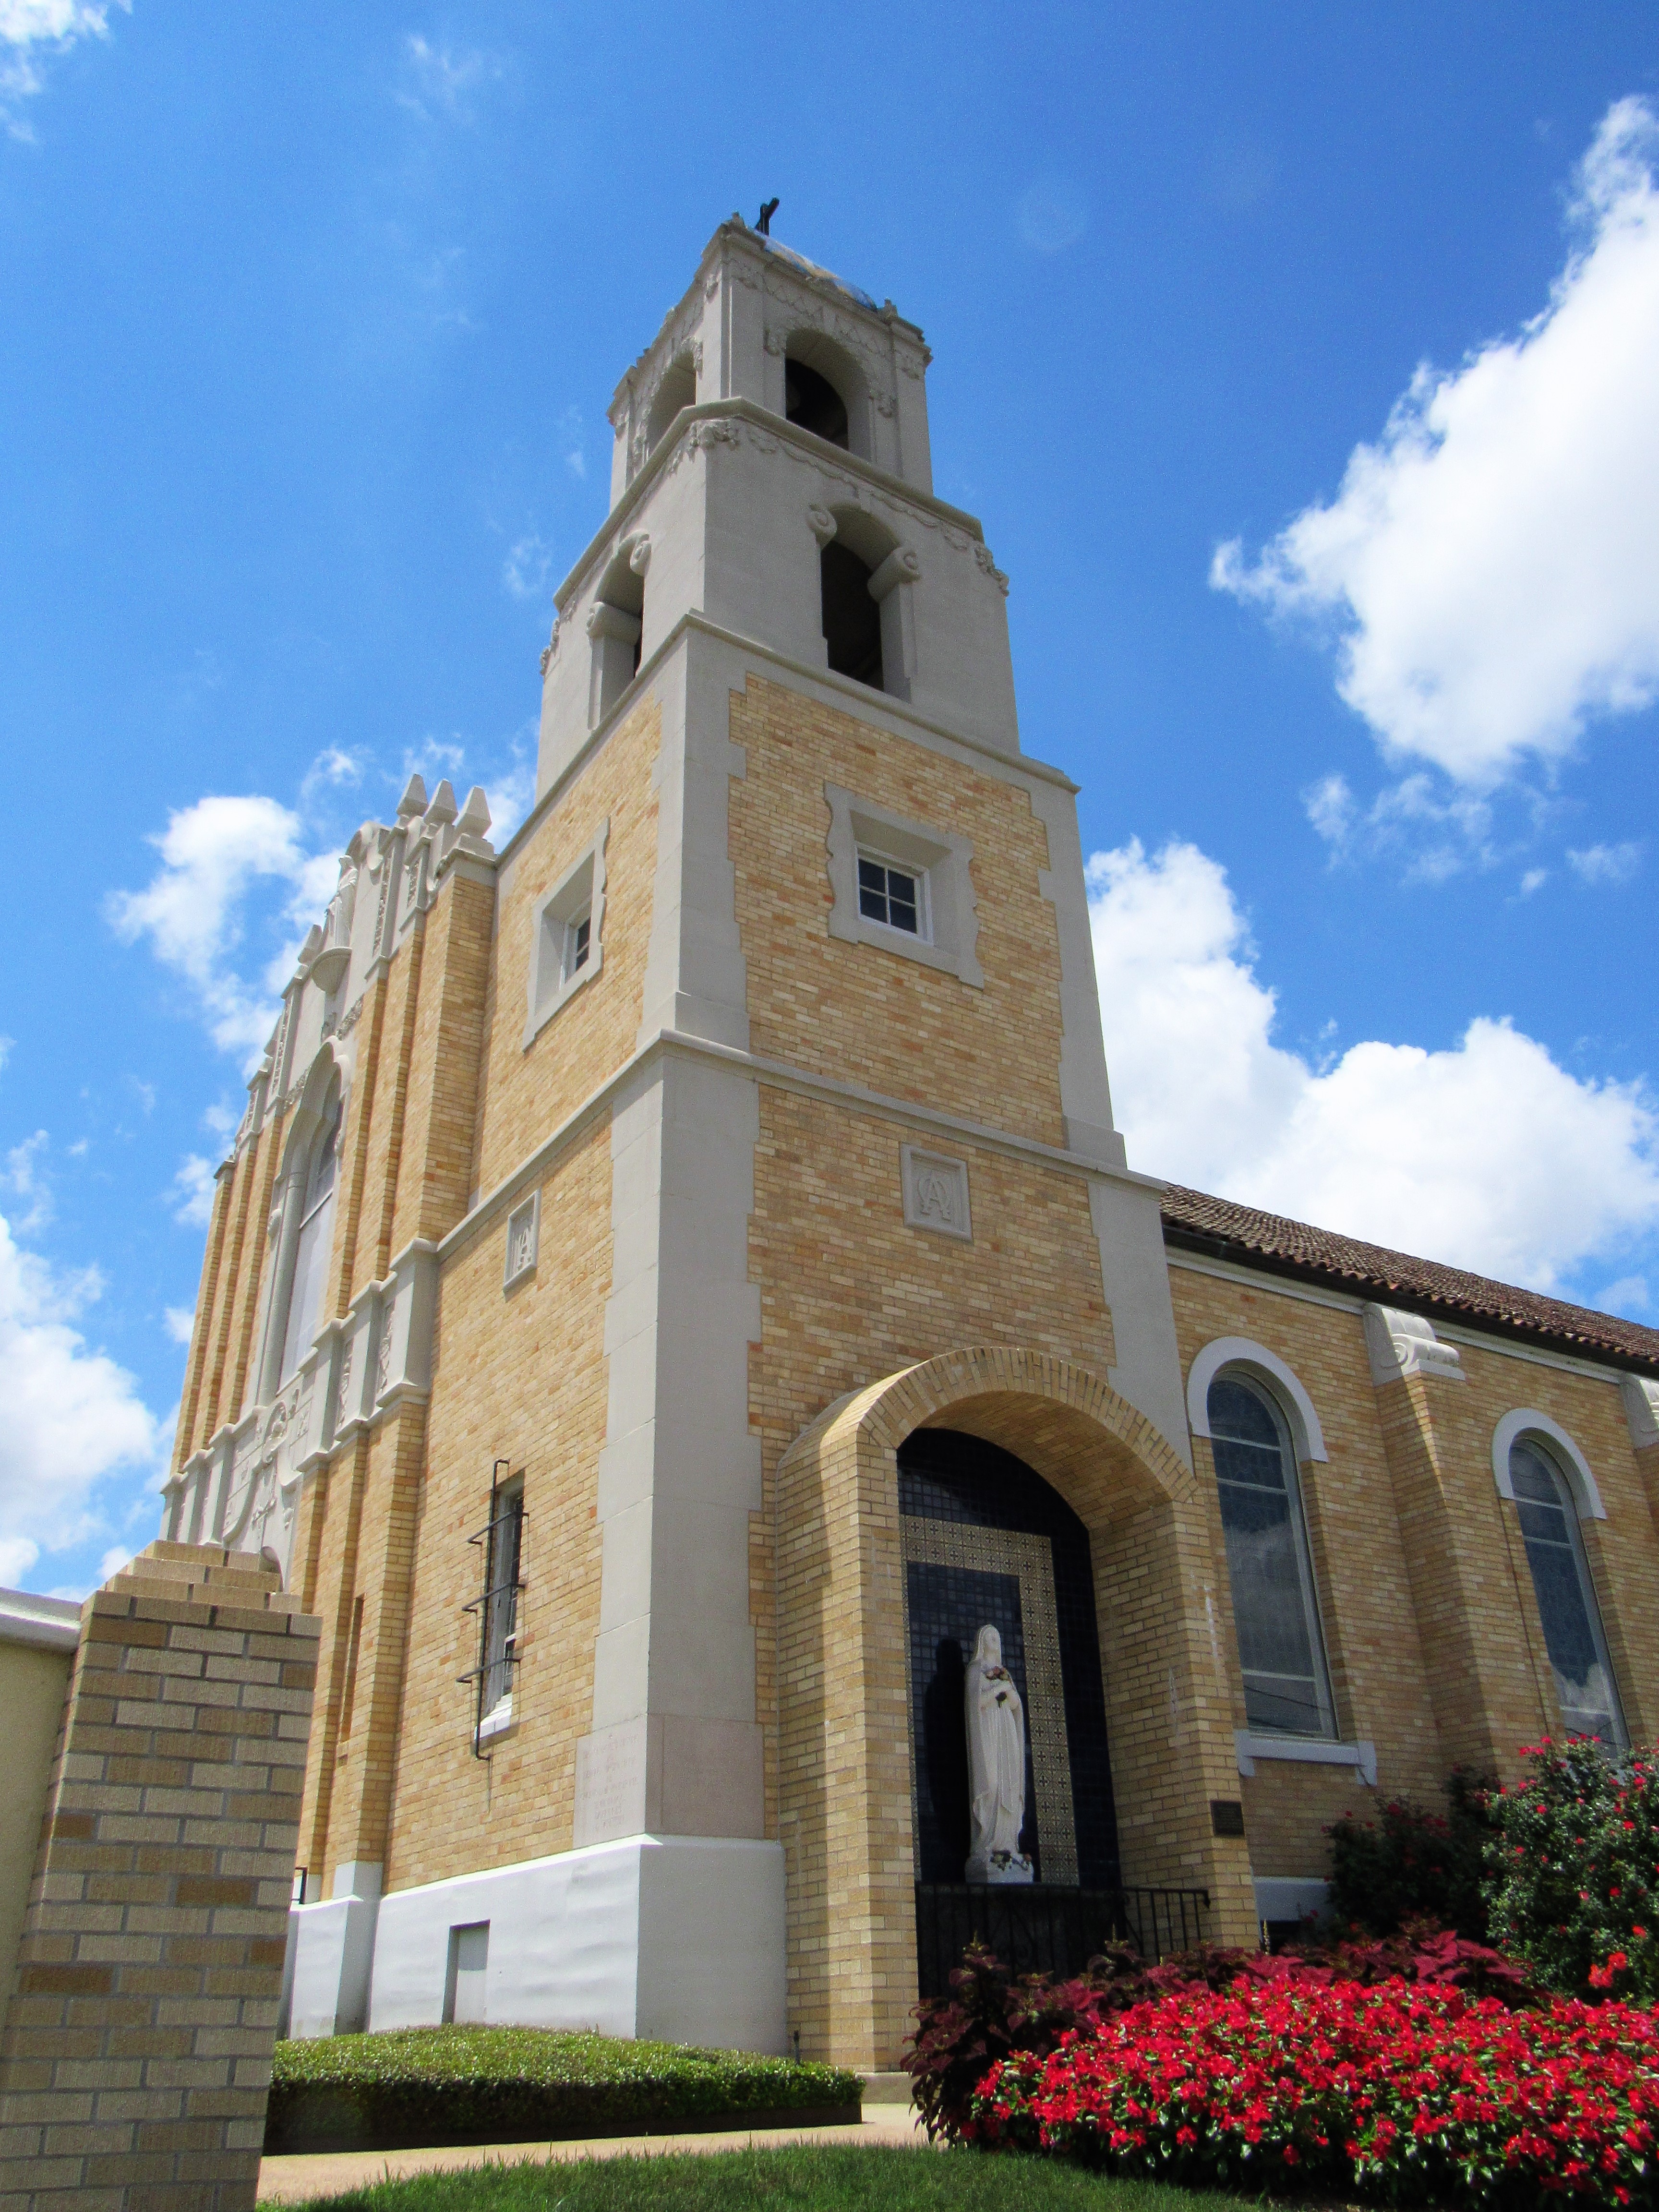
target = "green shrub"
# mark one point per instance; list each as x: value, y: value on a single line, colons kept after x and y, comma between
x: 504, y: 2084
x: 1412, y: 1864
x: 1573, y: 1871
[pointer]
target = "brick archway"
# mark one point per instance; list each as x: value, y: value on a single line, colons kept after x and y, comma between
x: 844, y: 1699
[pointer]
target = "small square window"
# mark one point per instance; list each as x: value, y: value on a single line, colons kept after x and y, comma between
x: 567, y: 940
x: 894, y: 896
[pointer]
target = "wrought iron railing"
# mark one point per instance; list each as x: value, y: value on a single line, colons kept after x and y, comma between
x: 1041, y: 1928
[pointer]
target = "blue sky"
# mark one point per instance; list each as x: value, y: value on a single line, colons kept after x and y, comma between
x: 1298, y: 359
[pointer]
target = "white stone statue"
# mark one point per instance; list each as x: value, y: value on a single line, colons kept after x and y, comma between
x: 996, y: 1766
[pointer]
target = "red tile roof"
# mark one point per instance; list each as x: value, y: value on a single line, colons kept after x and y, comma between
x: 1241, y: 1233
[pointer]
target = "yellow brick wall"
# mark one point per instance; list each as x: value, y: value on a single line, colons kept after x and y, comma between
x: 526, y: 1094
x: 1431, y: 1627
x: 850, y: 1293
x: 521, y: 1376
x: 857, y: 1011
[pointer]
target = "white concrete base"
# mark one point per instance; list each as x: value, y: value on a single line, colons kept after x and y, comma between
x: 675, y: 1937
x: 1281, y: 1898
x: 331, y: 1959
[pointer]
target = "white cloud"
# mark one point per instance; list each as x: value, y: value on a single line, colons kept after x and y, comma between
x: 572, y: 442
x: 1051, y: 215
x: 181, y: 1321
x: 1533, y: 880
x: 1628, y: 1296
x: 212, y: 856
x: 1605, y: 863
x: 30, y: 31
x: 1488, y: 1155
x: 21, y: 1178
x: 192, y: 1192
x: 72, y: 1416
x: 441, y: 80
x: 525, y: 570
x: 1490, y: 565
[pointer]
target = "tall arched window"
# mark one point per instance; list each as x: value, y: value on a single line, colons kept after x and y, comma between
x: 1566, y: 1596
x: 1286, y: 1687
x: 310, y: 1250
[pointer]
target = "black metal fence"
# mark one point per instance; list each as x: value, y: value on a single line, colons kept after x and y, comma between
x: 1040, y: 1928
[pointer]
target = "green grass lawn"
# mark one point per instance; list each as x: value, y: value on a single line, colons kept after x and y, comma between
x: 836, y: 2178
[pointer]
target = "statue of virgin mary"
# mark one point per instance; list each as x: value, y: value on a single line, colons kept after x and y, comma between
x: 996, y: 1766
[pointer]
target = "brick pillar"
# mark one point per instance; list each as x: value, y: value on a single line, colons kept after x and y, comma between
x: 137, y: 2051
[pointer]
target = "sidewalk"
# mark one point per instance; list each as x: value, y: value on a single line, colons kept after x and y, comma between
x: 328, y: 2174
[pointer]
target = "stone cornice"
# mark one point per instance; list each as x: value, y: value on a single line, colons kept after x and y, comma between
x: 786, y: 434
x: 831, y: 1089
x: 859, y: 697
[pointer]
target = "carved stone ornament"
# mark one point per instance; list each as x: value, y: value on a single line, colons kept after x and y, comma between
x: 276, y: 1430
x: 935, y: 1189
x: 383, y: 1364
x: 352, y: 1013
x: 822, y: 524
x: 988, y: 567
x: 346, y: 1350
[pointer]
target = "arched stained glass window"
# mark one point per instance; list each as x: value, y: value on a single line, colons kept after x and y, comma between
x: 1566, y: 1596
x: 316, y: 1234
x: 1286, y: 1688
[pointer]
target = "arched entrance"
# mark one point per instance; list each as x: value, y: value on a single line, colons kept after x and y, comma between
x: 849, y: 1823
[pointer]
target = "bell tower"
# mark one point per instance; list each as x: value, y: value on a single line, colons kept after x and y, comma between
x: 760, y: 1070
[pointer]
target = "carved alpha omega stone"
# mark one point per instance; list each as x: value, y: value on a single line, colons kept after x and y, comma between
x: 935, y: 1192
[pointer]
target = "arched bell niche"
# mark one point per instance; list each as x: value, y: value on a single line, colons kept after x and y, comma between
x: 985, y: 1540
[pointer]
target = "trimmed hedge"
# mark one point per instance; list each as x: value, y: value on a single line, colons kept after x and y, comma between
x: 415, y: 2087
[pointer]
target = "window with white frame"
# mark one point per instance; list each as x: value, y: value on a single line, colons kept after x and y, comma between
x: 311, y: 1251
x: 903, y: 885
x: 894, y: 896
x: 567, y: 948
x: 1281, y: 1649
x: 1566, y: 1596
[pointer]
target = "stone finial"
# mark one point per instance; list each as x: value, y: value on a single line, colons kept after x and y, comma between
x: 311, y: 947
x: 1400, y: 1343
x: 413, y: 801
x: 475, y: 815
x: 441, y: 811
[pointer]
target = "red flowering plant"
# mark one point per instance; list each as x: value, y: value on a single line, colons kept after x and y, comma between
x: 1411, y: 1863
x: 988, y: 2014
x: 1572, y: 1881
x: 1398, y: 2092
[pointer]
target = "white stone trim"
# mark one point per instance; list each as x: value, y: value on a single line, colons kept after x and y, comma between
x: 1399, y: 1343
x: 1641, y: 1396
x: 51, y: 1624
x: 1268, y: 1367
x: 523, y: 1239
x: 1462, y: 1334
x: 547, y: 986
x: 498, y: 1720
x: 1307, y: 1751
x: 935, y: 1192
x: 1525, y: 1420
x: 945, y: 860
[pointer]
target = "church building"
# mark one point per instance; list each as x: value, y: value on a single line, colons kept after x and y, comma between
x: 678, y: 1286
